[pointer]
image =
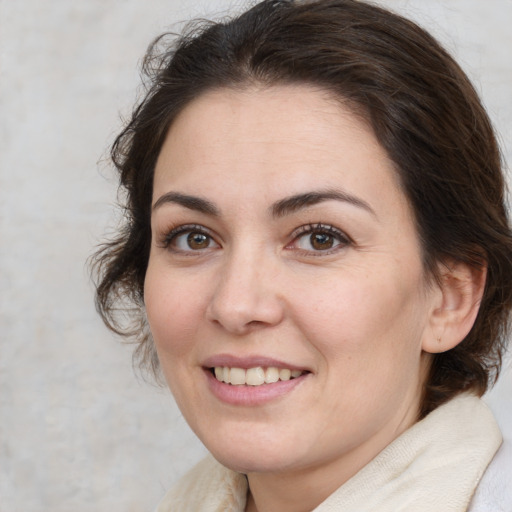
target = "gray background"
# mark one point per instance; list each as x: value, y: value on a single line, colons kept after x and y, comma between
x: 78, y: 430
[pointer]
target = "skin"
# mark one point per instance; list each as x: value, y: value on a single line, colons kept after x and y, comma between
x: 359, y: 317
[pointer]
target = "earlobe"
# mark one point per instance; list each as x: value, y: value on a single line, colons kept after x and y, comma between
x: 461, y: 288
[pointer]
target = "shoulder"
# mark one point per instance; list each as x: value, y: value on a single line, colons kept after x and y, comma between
x: 494, y: 493
x: 207, y: 487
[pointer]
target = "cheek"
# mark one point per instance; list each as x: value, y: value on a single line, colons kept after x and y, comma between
x: 364, y: 318
x: 368, y: 334
x: 172, y: 312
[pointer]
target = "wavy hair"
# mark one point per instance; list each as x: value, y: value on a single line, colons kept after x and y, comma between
x: 423, y: 110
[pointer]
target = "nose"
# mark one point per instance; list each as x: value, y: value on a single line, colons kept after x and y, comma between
x: 246, y: 295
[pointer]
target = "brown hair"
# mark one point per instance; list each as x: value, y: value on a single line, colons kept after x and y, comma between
x: 423, y: 111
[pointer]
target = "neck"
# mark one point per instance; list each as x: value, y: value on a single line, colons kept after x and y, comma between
x: 297, y: 492
x: 304, y: 489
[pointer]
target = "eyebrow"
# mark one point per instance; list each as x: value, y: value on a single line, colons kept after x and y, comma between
x: 297, y: 202
x: 281, y: 208
x: 191, y: 202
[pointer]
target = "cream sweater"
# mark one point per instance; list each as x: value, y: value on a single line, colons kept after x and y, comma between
x: 435, y: 466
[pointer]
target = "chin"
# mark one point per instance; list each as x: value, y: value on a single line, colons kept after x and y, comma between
x: 251, y: 457
x: 253, y: 463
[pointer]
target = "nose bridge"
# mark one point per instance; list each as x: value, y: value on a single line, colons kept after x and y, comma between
x: 245, y: 295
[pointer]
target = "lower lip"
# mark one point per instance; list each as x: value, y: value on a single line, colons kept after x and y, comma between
x: 252, y: 395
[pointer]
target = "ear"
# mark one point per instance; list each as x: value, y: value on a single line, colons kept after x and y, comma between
x: 461, y: 287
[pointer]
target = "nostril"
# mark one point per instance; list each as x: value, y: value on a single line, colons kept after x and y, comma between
x: 255, y: 323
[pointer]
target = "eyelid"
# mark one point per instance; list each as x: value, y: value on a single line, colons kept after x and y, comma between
x: 307, y: 229
x: 170, y: 235
x: 319, y: 226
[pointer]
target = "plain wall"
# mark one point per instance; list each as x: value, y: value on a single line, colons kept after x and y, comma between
x: 78, y: 430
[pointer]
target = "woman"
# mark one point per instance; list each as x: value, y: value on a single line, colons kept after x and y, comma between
x: 318, y: 255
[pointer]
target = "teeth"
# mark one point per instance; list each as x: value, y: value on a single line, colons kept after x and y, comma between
x: 271, y: 375
x: 254, y: 376
x: 237, y: 376
x: 285, y: 374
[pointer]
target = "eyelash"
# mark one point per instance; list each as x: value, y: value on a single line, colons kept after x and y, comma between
x: 307, y: 229
x: 172, y: 235
x: 319, y: 228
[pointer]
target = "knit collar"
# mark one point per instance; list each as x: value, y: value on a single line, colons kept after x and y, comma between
x: 434, y: 465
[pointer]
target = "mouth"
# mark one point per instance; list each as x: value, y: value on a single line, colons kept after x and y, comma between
x: 256, y: 376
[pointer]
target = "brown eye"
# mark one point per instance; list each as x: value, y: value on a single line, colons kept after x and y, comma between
x: 197, y: 241
x: 189, y: 239
x: 321, y: 241
x: 320, y: 238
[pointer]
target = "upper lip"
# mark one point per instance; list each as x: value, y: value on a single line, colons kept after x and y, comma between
x: 247, y: 362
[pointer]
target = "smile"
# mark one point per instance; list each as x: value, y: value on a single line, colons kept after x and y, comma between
x: 256, y: 376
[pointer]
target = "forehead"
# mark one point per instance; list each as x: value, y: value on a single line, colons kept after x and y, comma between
x: 281, y: 137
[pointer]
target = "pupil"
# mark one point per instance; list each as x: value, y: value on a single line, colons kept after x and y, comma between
x: 321, y: 241
x: 197, y: 241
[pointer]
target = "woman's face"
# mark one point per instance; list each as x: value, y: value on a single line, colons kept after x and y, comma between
x: 284, y: 246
